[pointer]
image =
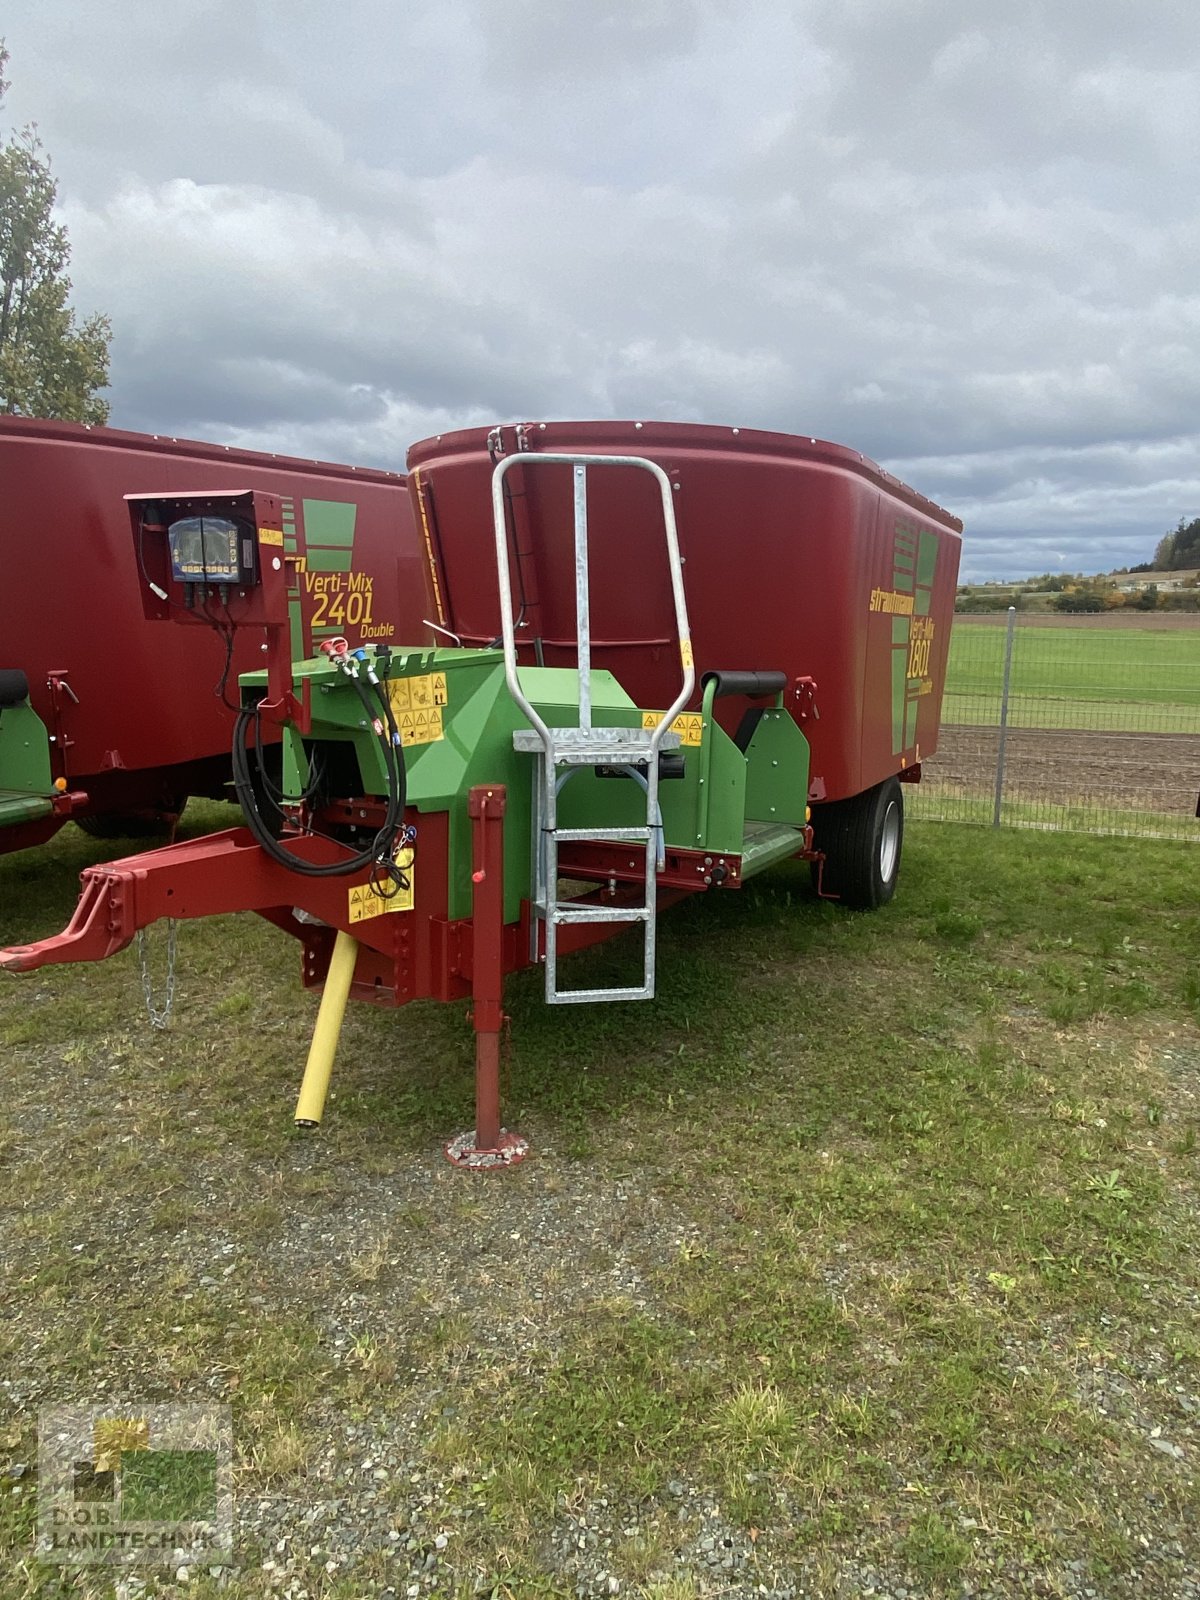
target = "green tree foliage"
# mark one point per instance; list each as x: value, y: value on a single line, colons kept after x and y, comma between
x: 50, y: 365
x: 1080, y: 600
x: 1179, y: 549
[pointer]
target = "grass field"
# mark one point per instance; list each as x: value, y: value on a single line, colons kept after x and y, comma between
x: 1072, y: 677
x: 868, y: 1253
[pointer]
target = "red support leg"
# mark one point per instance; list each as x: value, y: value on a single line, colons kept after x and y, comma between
x: 488, y: 1145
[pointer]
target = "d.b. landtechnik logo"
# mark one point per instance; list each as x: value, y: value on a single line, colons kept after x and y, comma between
x: 130, y: 1485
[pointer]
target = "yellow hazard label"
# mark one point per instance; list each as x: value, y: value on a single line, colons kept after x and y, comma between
x: 685, y: 652
x: 417, y: 704
x: 270, y: 536
x: 364, y: 902
x: 689, y: 725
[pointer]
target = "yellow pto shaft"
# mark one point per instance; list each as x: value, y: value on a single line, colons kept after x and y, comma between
x: 315, y: 1084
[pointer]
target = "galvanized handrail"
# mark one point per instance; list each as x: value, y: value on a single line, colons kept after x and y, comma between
x: 580, y: 464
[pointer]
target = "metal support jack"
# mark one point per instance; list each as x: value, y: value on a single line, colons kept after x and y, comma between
x: 487, y: 1146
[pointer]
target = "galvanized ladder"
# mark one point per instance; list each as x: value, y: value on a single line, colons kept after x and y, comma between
x: 584, y: 745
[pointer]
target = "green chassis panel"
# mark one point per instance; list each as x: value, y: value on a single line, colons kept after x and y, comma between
x: 777, y: 770
x: 26, y: 782
x: 708, y: 808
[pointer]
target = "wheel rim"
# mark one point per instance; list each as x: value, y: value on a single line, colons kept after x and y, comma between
x: 889, y: 842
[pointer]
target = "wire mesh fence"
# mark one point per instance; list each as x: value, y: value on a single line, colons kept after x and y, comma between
x: 1086, y: 723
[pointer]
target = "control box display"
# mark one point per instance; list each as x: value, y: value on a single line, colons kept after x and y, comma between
x: 212, y: 550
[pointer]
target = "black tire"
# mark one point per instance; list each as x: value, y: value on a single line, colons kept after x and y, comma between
x: 862, y: 839
x: 132, y: 824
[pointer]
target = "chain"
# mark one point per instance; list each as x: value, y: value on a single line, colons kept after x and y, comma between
x: 158, y: 1019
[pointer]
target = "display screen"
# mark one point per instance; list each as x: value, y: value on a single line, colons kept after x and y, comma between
x: 205, y: 550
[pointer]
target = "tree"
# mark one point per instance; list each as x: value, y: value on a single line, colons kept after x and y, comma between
x: 1080, y: 600
x: 1179, y: 549
x: 50, y: 365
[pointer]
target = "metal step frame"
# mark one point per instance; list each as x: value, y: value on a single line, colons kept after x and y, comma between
x: 585, y: 745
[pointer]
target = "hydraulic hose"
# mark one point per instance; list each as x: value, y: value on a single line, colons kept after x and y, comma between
x: 379, y: 853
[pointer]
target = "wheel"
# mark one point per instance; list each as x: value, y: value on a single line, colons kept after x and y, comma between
x: 862, y: 839
x: 133, y: 824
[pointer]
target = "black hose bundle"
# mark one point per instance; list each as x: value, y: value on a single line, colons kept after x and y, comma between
x: 380, y: 853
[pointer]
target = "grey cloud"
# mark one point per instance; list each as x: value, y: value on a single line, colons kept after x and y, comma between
x: 957, y: 239
x: 610, y: 37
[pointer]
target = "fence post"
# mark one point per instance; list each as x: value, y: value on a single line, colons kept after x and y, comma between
x: 1008, y: 653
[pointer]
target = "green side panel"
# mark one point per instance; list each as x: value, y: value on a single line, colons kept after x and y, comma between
x: 24, y: 756
x: 295, y: 764
x: 926, y: 566
x: 777, y: 770
x: 703, y: 810
x: 476, y: 747
x: 911, y: 707
x: 904, y: 559
x: 296, y: 629
x: 721, y: 816
x: 899, y: 685
x: 900, y: 626
x: 329, y: 522
x: 328, y: 560
x: 927, y: 559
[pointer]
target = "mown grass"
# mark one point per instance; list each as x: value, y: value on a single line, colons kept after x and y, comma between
x: 1127, y: 679
x: 934, y: 801
x: 932, y: 1173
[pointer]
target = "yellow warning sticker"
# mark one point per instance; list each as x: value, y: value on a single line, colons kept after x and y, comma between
x: 417, y: 704
x: 685, y: 652
x: 364, y: 902
x: 270, y: 536
x: 689, y: 725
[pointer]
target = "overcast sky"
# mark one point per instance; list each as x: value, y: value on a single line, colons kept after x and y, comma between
x: 962, y: 238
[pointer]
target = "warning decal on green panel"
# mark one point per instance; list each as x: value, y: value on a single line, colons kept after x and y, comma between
x: 689, y: 725
x: 417, y: 704
x: 364, y: 902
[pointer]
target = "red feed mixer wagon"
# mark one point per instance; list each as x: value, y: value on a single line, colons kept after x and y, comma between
x: 669, y: 656
x: 800, y: 558
x: 108, y: 720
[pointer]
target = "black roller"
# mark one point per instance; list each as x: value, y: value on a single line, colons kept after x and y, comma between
x: 751, y: 683
x: 14, y: 686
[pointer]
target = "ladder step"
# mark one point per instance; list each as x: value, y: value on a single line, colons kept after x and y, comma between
x: 602, y: 835
x: 765, y: 843
x: 594, y: 744
x: 18, y: 806
x: 564, y: 915
x: 587, y: 997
